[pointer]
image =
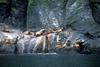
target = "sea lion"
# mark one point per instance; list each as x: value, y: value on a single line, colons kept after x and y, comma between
x: 6, y: 29
x: 79, y: 46
x: 59, y: 45
x: 43, y: 42
x: 67, y: 44
x: 28, y: 34
x: 40, y: 32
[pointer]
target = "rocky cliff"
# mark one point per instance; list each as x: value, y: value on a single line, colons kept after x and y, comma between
x: 81, y: 15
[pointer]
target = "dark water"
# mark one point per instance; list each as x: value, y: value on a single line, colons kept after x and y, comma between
x: 49, y: 60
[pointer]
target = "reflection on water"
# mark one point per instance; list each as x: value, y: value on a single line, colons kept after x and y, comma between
x: 49, y: 60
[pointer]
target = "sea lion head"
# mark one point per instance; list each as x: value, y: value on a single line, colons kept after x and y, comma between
x: 28, y: 32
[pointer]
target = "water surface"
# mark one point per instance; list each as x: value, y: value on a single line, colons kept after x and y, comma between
x: 49, y: 60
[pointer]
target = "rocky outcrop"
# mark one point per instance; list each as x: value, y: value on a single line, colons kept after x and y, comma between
x: 82, y: 16
x: 14, y: 13
x: 62, y: 13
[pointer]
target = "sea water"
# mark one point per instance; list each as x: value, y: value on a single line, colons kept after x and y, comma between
x: 49, y: 60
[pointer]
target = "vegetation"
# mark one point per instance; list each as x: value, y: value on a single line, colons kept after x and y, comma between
x: 45, y: 2
x: 3, y: 1
x: 32, y: 2
x: 35, y: 2
x: 64, y: 3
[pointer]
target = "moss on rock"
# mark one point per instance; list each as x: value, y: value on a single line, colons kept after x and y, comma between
x: 3, y: 1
